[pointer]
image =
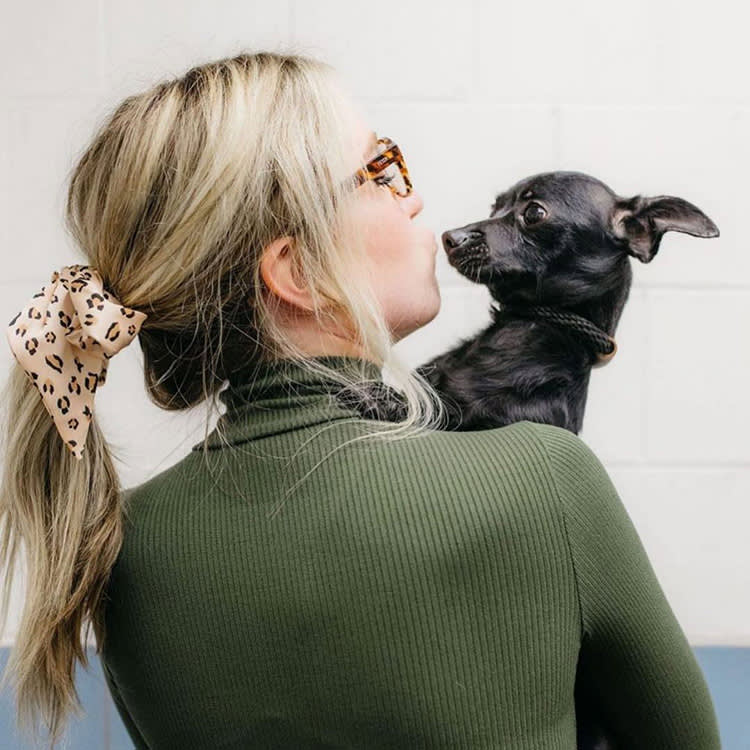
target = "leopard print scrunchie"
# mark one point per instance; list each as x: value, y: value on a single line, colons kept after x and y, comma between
x: 63, y: 339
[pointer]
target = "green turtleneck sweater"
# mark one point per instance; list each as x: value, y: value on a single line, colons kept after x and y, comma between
x: 439, y: 592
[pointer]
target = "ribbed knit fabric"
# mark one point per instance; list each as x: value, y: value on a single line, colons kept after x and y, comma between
x: 436, y: 592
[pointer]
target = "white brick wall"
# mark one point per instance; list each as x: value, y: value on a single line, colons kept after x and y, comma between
x: 650, y: 97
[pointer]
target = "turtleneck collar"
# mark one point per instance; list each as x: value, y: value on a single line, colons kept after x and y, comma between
x: 280, y: 396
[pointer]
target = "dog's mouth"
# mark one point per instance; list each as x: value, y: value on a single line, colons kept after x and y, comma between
x: 468, y: 257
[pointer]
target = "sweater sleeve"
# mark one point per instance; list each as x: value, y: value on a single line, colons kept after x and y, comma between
x: 634, y: 661
x: 127, y: 719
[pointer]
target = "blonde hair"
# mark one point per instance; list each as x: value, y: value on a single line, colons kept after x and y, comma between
x: 173, y: 202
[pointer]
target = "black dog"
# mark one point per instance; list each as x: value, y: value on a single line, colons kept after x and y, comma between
x: 554, y: 254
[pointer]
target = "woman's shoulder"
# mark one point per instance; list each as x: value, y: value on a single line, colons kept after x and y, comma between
x: 579, y: 479
x: 539, y: 460
x: 522, y: 444
x: 507, y: 463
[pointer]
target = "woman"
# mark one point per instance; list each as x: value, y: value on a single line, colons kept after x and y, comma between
x: 306, y: 578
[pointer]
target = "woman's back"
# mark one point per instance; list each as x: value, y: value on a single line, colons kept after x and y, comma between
x: 428, y: 593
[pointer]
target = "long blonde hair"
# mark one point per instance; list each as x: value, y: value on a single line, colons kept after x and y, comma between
x: 173, y: 202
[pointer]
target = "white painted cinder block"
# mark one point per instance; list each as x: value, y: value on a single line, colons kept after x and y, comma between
x: 585, y: 52
x: 46, y: 133
x: 50, y: 51
x: 421, y: 50
x: 172, y: 36
x: 5, y: 183
x: 693, y: 524
x: 699, y: 355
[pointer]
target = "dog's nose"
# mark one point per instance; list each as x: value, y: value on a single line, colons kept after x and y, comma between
x: 454, y: 238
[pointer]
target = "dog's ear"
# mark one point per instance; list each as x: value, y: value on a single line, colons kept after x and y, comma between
x: 641, y: 222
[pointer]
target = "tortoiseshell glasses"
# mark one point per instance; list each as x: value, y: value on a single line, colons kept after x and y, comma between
x: 387, y: 168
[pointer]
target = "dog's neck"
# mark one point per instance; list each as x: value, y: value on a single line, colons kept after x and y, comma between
x: 602, y: 345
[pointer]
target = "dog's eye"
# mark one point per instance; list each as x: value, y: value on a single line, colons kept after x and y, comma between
x: 534, y: 213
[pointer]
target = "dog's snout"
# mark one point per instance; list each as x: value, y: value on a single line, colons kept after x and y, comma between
x: 456, y: 237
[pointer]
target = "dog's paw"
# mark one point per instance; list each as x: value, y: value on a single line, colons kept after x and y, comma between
x: 376, y: 401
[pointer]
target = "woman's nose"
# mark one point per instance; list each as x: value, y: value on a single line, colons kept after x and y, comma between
x: 415, y: 203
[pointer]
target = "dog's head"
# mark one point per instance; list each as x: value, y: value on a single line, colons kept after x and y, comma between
x: 564, y: 238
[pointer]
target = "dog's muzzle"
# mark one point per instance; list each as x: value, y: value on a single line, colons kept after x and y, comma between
x: 461, y: 240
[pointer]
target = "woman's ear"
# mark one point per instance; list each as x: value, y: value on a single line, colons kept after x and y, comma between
x: 279, y: 271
